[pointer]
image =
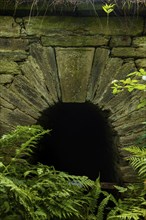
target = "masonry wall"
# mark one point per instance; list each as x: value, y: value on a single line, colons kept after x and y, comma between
x: 46, y: 60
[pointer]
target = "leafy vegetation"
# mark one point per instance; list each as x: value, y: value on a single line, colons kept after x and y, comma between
x: 133, y: 204
x: 132, y: 84
x: 39, y: 192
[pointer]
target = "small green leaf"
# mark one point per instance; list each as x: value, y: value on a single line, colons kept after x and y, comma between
x: 120, y: 189
x: 142, y: 103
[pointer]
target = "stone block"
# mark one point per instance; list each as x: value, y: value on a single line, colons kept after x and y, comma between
x: 34, y: 74
x: 6, y: 104
x: 74, y: 66
x: 16, y: 117
x: 75, y: 40
x: 120, y: 41
x: 109, y: 73
x: 14, y: 44
x: 45, y: 59
x: 100, y: 60
x: 16, y: 55
x: 139, y: 41
x: 125, y: 69
x: 8, y: 27
x: 6, y: 78
x: 28, y: 93
x: 87, y: 26
x: 4, y: 130
x: 129, y: 52
x: 9, y: 67
x: 16, y: 100
x: 141, y: 63
x: 128, y: 174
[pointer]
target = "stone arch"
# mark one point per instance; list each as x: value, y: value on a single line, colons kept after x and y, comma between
x: 45, y: 75
x: 80, y: 142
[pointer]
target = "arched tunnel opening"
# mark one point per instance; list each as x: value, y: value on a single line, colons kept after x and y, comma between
x: 81, y: 141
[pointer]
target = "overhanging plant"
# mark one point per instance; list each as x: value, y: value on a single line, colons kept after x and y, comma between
x: 133, y: 204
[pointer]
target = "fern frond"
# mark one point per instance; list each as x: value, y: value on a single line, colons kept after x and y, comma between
x: 102, y: 205
x: 26, y: 148
x: 139, y: 164
x: 126, y: 216
x: 136, y: 151
x: 22, y: 195
x: 138, y: 160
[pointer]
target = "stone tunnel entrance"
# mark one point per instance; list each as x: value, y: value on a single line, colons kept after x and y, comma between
x: 81, y: 141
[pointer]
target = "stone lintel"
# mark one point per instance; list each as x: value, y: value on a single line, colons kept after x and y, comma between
x: 75, y: 40
x: 87, y: 26
x: 74, y: 66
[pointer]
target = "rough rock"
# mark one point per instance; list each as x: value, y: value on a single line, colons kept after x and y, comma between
x: 74, y: 66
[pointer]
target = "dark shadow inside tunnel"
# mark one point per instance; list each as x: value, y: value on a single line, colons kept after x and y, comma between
x: 81, y: 141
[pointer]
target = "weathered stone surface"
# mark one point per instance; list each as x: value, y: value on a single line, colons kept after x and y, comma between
x: 109, y: 73
x: 22, y: 86
x: 16, y: 100
x: 131, y: 132
x: 139, y: 41
x: 83, y: 25
x: 123, y: 104
x: 45, y: 58
x: 6, y: 78
x: 74, y: 66
x: 75, y: 40
x: 100, y: 60
x: 129, y: 52
x: 144, y: 31
x: 119, y: 41
x: 125, y: 69
x: 141, y: 63
x: 14, y: 44
x: 16, y: 117
x: 4, y: 130
x: 16, y: 55
x: 8, y: 27
x: 36, y: 78
x: 6, y: 104
x: 128, y: 174
x: 9, y: 67
x: 131, y: 119
x: 128, y: 140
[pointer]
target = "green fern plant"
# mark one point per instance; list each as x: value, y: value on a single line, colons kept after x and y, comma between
x: 39, y: 192
x: 137, y: 159
x: 132, y: 206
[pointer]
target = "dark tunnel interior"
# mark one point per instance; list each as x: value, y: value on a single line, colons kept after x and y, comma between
x: 80, y: 141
